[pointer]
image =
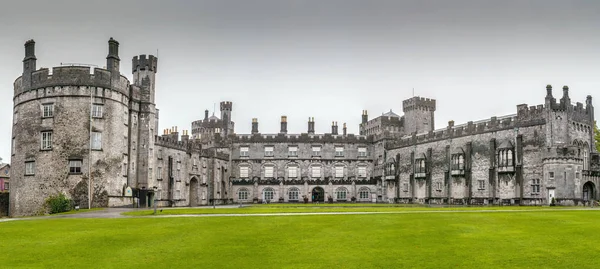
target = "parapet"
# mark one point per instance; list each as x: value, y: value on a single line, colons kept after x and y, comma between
x: 300, y: 138
x: 73, y: 76
x: 418, y: 103
x: 226, y: 105
x: 142, y: 62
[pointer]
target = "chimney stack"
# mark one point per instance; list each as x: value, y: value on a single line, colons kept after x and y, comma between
x: 365, y: 117
x: 344, y: 129
x: 311, y: 125
x: 254, y: 126
x: 283, y: 125
x: 206, y: 114
x: 185, y: 137
x: 334, y: 128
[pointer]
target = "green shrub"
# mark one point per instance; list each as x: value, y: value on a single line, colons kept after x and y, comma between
x: 58, y: 203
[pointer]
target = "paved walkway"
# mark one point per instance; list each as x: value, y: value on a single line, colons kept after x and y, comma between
x: 116, y: 213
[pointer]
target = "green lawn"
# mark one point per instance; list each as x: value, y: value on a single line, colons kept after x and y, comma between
x: 517, y: 239
x: 308, y: 208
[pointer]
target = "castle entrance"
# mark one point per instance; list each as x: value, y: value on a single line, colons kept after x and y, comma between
x: 318, y: 194
x: 194, y: 192
x: 589, y: 191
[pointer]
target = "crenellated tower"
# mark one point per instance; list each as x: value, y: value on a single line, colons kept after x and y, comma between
x: 226, y: 108
x: 144, y: 120
x: 418, y: 115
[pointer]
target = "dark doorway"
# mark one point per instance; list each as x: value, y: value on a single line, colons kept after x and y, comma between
x: 318, y: 194
x: 589, y: 191
x: 194, y: 192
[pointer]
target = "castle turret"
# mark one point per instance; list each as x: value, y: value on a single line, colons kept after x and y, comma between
x: 226, y: 108
x: 28, y: 63
x: 112, y: 60
x: 283, y: 125
x: 419, y: 114
x: 565, y: 101
x: 254, y: 126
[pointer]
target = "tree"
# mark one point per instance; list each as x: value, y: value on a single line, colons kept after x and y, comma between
x: 597, y: 136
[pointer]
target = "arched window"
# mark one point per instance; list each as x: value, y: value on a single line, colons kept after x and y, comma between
x: 243, y: 194
x: 293, y: 194
x: 268, y: 194
x: 509, y: 158
x: 461, y: 162
x: 363, y: 193
x: 585, y: 158
x: 341, y: 193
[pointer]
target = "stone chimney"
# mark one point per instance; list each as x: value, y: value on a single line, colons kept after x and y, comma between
x: 185, y: 137
x: 334, y: 128
x: 311, y: 125
x: 206, y: 114
x: 365, y: 117
x: 254, y: 126
x: 344, y: 129
x: 283, y: 125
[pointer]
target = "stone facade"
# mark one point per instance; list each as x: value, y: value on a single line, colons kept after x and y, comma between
x: 73, y: 125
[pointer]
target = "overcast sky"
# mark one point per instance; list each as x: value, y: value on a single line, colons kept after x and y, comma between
x: 324, y: 59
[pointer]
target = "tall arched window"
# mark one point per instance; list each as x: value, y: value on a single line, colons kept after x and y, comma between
x: 243, y: 194
x: 268, y: 194
x: 509, y: 158
x: 293, y: 194
x: 585, y: 158
x: 461, y: 162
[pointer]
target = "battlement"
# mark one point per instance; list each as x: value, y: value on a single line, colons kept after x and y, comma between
x: 226, y: 106
x: 142, y: 62
x: 73, y: 76
x: 300, y: 138
x: 530, y: 115
x: 451, y: 131
x: 418, y: 103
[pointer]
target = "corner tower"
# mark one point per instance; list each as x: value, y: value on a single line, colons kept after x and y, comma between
x: 227, y: 127
x: 419, y: 114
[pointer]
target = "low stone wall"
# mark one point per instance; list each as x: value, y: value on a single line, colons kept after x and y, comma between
x: 120, y: 201
x: 3, y: 204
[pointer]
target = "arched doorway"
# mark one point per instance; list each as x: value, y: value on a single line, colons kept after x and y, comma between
x: 318, y: 194
x: 193, y: 192
x: 589, y: 191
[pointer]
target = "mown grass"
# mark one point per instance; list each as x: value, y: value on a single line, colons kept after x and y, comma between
x: 307, y: 208
x: 518, y: 239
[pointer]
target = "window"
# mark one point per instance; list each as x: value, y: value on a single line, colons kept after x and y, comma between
x: 177, y: 194
x: 292, y: 172
x: 269, y: 151
x: 159, y: 173
x: 243, y: 151
x: 12, y: 146
x: 75, y: 166
x: 48, y: 110
x: 551, y: 175
x: 16, y: 118
x: 243, y: 171
x: 420, y: 166
x: 362, y: 171
x: 316, y: 151
x: 6, y: 186
x: 438, y: 186
x: 405, y: 187
x: 505, y: 158
x: 362, y: 152
x: 577, y: 175
x: 293, y: 194
x: 268, y: 194
x: 269, y: 171
x: 363, y: 193
x: 96, y: 140
x: 341, y: 193
x: 316, y: 171
x: 243, y: 194
x: 97, y: 110
x: 535, y: 186
x: 160, y: 156
x: 339, y: 151
x: 293, y: 151
x: 30, y: 168
x: 458, y: 162
x: 126, y: 118
x: 481, y: 184
x: 125, y: 172
x: 585, y: 159
x: 150, y: 173
x: 339, y: 171
x: 46, y: 140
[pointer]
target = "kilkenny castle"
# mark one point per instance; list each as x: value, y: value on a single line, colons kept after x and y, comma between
x: 93, y: 136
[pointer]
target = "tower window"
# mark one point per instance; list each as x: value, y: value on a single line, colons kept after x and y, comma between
x: 48, y: 110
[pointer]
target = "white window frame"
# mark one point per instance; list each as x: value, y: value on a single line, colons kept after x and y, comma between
x: 30, y: 168
x: 244, y: 152
x: 243, y: 194
x: 315, y: 171
x: 339, y: 171
x: 244, y: 171
x: 341, y: 193
x: 48, y: 110
x: 268, y: 194
x: 339, y: 151
x: 269, y: 151
x: 364, y: 193
x: 269, y: 171
x: 292, y: 171
x: 159, y: 172
x: 293, y: 151
x: 97, y: 111
x: 362, y: 152
x: 293, y: 194
x: 46, y: 140
x: 481, y: 184
x: 316, y: 151
x: 75, y: 166
x: 362, y: 171
x: 97, y: 140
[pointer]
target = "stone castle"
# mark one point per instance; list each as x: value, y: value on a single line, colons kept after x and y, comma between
x: 93, y: 136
